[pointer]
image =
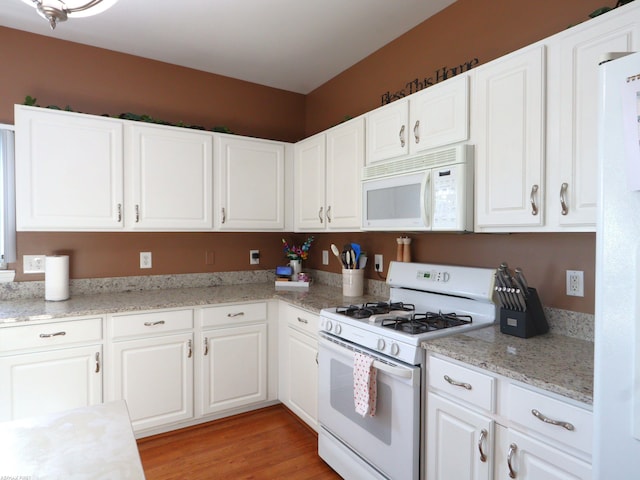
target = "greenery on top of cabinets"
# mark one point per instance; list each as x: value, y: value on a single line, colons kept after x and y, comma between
x: 31, y: 102
x: 605, y: 9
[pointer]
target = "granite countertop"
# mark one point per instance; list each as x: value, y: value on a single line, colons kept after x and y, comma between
x: 555, y: 363
x: 315, y: 299
x: 83, y: 443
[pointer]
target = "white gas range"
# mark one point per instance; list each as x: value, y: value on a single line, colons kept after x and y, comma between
x: 425, y: 301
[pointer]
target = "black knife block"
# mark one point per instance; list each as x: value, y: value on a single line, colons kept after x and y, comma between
x: 525, y: 324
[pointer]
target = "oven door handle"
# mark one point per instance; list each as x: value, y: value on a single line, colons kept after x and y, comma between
x: 388, y: 369
x: 395, y: 371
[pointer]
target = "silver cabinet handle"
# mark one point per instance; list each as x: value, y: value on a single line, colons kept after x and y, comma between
x: 532, y: 198
x: 190, y: 352
x: 237, y: 314
x: 546, y: 419
x: 317, y: 358
x: 48, y: 335
x: 401, y: 135
x: 97, y: 362
x: 416, y: 131
x: 483, y: 437
x: 224, y: 215
x: 320, y: 214
x: 329, y: 214
x: 303, y: 320
x: 137, y: 213
x: 119, y: 212
x: 206, y: 346
x: 152, y: 324
x: 512, y: 450
x: 563, y: 198
x: 456, y: 383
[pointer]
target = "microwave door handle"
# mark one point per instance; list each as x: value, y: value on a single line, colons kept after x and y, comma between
x: 426, y: 199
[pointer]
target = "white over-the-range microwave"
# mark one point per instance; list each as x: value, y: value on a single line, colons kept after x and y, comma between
x: 429, y: 192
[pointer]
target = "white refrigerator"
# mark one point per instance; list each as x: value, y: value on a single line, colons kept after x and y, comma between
x: 617, y: 304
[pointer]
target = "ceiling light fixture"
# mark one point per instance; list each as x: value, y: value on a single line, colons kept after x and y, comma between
x: 58, y: 10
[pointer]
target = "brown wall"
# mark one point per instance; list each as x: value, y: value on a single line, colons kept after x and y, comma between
x: 100, y: 81
x: 468, y: 29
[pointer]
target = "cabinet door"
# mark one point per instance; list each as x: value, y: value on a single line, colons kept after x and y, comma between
x: 459, y: 441
x: 249, y: 184
x: 344, y: 163
x: 573, y: 96
x: 309, y: 184
x: 302, y: 369
x: 69, y: 171
x: 509, y: 110
x: 170, y: 171
x: 530, y: 459
x: 155, y: 377
x: 388, y: 131
x: 439, y: 115
x: 51, y: 381
x: 235, y: 367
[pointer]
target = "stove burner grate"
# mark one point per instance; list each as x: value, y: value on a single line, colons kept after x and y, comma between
x: 426, y: 322
x: 374, y: 308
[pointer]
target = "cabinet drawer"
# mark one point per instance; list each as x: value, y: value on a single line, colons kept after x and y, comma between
x: 234, y: 314
x: 50, y: 334
x: 151, y: 323
x: 463, y: 383
x: 303, y: 320
x: 522, y: 403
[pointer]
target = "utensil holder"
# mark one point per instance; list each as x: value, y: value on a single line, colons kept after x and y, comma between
x: 352, y: 282
x: 525, y: 324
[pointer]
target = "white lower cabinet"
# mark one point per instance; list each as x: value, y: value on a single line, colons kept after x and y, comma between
x: 470, y: 432
x: 234, y: 356
x: 51, y: 367
x: 152, y: 366
x: 298, y: 362
x: 501, y: 429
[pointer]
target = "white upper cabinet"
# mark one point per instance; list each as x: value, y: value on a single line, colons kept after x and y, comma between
x: 69, y: 171
x: 439, y: 115
x: 508, y: 130
x: 573, y: 112
x: 170, y: 175
x: 250, y: 184
x: 433, y: 117
x: 327, y: 171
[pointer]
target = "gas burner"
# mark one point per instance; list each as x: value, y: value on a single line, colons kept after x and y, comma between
x: 374, y: 308
x: 426, y: 322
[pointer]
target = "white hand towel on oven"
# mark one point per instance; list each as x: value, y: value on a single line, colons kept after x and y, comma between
x: 364, y: 384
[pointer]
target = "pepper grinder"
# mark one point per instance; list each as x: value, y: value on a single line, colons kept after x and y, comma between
x: 406, y: 250
x: 399, y: 250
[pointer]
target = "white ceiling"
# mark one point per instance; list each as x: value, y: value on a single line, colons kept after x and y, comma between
x: 295, y: 45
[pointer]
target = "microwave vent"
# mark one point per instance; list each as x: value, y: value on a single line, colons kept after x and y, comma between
x: 446, y: 156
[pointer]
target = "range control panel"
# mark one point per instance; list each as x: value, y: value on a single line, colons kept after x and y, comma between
x: 433, y: 275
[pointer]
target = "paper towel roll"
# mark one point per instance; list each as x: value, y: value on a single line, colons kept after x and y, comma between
x: 56, y: 278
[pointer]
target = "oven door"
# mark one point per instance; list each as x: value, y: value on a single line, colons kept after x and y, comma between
x: 389, y: 441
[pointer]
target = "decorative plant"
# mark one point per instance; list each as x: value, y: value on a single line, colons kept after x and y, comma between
x: 297, y: 253
x: 602, y: 10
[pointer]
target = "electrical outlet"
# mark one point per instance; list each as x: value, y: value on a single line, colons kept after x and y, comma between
x: 254, y: 257
x: 145, y: 259
x: 33, y: 263
x: 325, y: 257
x: 378, y: 262
x: 575, y: 283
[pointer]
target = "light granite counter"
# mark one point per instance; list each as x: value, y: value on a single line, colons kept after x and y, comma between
x: 556, y: 363
x: 32, y: 309
x: 84, y: 443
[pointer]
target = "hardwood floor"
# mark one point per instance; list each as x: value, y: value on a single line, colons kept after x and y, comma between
x: 270, y: 443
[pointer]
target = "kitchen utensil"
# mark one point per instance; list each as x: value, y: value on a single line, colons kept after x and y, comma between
x: 522, y: 281
x: 336, y: 253
x: 356, y: 250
